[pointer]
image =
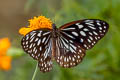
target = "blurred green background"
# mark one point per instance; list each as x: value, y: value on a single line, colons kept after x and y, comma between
x: 100, y: 63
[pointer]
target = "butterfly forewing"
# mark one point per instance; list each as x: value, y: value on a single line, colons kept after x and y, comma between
x: 37, y: 44
x: 85, y: 32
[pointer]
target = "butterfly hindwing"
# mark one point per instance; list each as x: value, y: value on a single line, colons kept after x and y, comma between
x: 37, y: 44
x: 86, y: 32
x: 68, y: 54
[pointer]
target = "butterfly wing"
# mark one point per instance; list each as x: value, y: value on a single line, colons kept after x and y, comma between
x: 37, y: 44
x: 85, y: 32
x: 69, y: 53
x: 75, y: 38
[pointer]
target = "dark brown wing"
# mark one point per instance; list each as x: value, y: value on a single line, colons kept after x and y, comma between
x: 37, y: 44
x: 75, y: 38
x: 85, y: 32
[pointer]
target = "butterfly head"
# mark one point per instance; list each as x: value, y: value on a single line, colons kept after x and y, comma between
x: 54, y: 32
x: 53, y: 26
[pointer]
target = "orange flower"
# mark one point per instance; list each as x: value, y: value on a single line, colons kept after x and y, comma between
x: 24, y: 31
x: 4, y: 45
x: 5, y: 61
x: 36, y: 23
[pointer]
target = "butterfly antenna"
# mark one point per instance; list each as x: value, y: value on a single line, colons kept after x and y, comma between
x: 53, y: 20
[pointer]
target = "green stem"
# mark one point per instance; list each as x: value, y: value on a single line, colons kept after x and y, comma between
x: 35, y: 72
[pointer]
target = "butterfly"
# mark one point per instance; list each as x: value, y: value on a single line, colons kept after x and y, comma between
x: 66, y: 45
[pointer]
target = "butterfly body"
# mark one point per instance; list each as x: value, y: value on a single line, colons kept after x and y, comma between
x: 66, y: 45
x: 54, y: 36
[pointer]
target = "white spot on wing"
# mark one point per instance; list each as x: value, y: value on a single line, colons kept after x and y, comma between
x: 85, y: 45
x: 95, y: 33
x: 26, y: 42
x: 79, y: 25
x: 98, y: 24
x: 105, y: 27
x: 46, y: 33
x: 64, y: 59
x: 36, y: 39
x: 71, y: 49
x: 89, y: 40
x: 71, y: 41
x: 32, y: 39
x: 30, y: 45
x: 81, y: 40
x: 82, y: 33
x: 43, y: 39
x: 85, y: 29
x: 68, y: 29
x: 91, y: 27
x: 73, y: 46
x: 90, y: 37
x: 100, y: 28
x: 40, y: 48
x: 75, y: 33
x: 68, y: 35
x: 90, y: 33
x: 65, y: 44
x: 73, y: 59
x: 47, y: 39
x: 78, y: 56
x: 103, y: 30
x: 39, y: 42
x: 27, y: 37
x: 98, y: 37
x: 39, y: 35
x: 89, y: 21
x: 32, y: 35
